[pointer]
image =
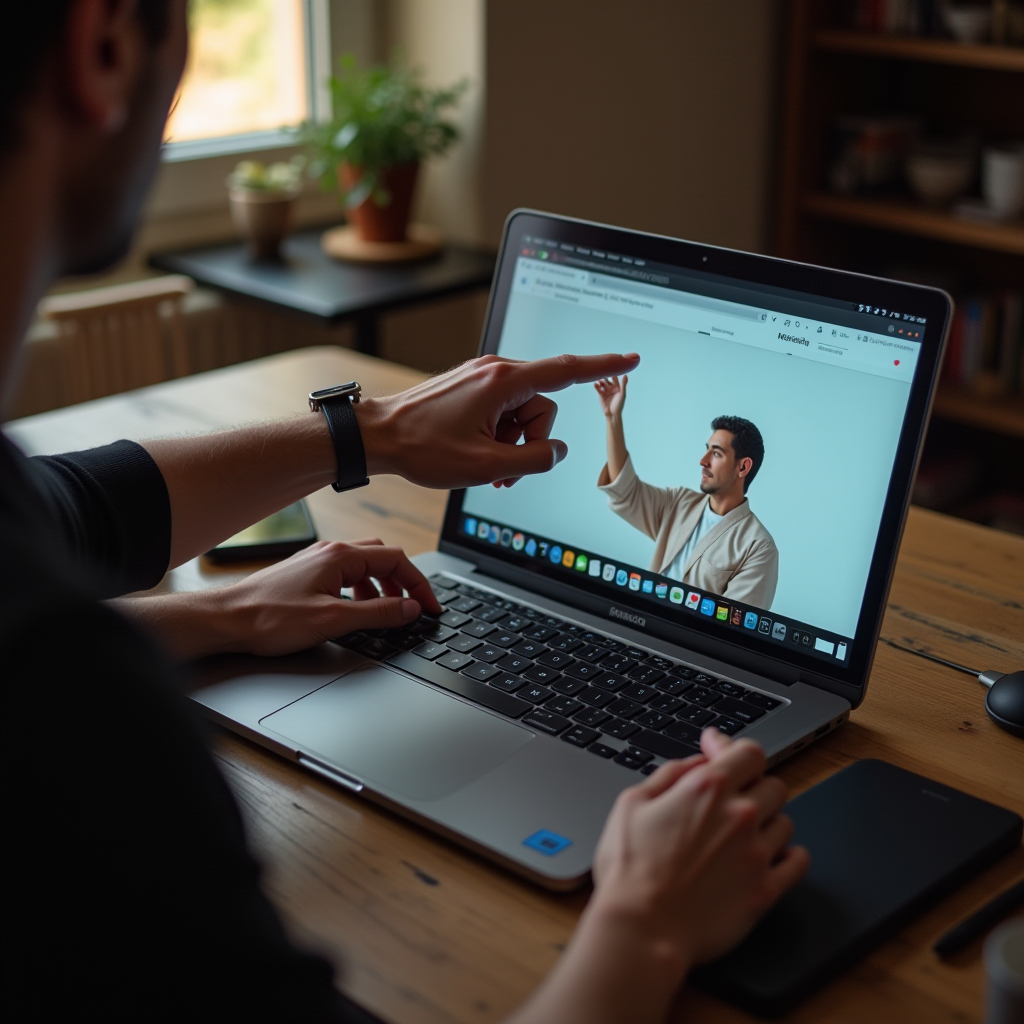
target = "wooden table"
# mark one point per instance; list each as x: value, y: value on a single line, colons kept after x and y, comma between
x: 428, y: 933
x: 308, y: 282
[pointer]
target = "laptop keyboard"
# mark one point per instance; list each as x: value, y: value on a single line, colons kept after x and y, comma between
x: 595, y: 692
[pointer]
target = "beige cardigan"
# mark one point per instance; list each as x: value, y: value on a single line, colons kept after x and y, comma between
x: 737, y: 558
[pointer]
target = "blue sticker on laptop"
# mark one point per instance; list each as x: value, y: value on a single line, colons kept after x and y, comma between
x: 546, y: 842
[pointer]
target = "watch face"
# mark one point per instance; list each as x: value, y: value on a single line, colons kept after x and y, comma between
x: 351, y: 388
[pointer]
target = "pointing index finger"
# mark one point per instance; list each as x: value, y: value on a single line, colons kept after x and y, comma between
x: 560, y: 372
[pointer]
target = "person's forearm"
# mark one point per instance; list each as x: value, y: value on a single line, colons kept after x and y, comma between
x: 189, y: 625
x: 613, y: 971
x: 617, y: 453
x: 221, y: 483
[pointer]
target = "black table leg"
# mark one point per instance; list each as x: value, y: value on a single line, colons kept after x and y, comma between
x: 366, y: 333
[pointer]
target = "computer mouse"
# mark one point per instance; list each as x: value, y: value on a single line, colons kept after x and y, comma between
x: 1005, y: 702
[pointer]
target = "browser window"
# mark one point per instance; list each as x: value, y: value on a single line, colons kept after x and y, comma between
x: 820, y: 398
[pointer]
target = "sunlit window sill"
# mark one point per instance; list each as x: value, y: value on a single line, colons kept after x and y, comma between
x: 228, y: 145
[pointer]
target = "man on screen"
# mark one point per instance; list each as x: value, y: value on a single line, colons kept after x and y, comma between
x: 709, y: 538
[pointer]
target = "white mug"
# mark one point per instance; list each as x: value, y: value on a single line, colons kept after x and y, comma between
x: 1002, y: 181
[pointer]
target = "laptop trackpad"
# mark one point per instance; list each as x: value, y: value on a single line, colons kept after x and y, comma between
x: 396, y: 734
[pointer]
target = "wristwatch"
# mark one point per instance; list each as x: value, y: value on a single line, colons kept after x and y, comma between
x: 336, y: 404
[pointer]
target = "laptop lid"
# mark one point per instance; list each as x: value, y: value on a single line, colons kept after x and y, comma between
x: 834, y: 371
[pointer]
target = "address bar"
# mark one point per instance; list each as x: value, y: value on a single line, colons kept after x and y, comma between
x: 650, y: 291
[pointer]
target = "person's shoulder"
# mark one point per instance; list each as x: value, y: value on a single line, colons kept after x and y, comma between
x: 761, y: 537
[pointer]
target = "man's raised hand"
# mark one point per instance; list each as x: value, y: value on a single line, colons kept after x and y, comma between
x: 612, y: 394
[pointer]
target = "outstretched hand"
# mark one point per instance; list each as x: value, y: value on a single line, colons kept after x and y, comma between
x: 612, y: 394
x: 486, y: 421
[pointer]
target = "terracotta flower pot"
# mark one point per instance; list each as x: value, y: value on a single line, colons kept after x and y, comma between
x: 262, y: 218
x: 382, y: 223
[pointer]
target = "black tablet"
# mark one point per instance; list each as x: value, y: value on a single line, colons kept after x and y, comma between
x: 885, y: 845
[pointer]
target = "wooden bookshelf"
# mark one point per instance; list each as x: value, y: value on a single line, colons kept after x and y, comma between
x: 951, y: 90
x: 935, y: 51
x: 905, y: 216
x: 1003, y: 414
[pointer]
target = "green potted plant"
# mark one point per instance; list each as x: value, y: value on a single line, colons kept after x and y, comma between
x: 261, y: 199
x: 385, y: 122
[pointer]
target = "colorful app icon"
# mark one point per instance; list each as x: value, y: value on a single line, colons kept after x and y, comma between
x: 675, y: 595
x: 469, y: 526
x: 542, y: 548
x: 750, y: 620
x: 634, y: 581
x: 722, y: 613
x: 736, y: 618
x: 647, y: 586
x: 518, y: 542
x: 495, y: 535
x: 595, y: 567
x: 765, y: 625
x: 506, y: 537
x: 779, y: 631
x: 661, y: 590
x: 707, y: 606
x: 482, y: 530
x: 581, y: 563
x: 568, y: 558
x: 608, y: 573
x: 555, y: 555
x: 531, y: 547
x: 692, y: 600
x: 621, y: 577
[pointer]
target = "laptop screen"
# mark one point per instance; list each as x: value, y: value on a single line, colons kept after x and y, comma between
x: 739, y: 478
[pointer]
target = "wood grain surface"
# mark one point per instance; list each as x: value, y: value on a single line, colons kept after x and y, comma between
x: 425, y: 933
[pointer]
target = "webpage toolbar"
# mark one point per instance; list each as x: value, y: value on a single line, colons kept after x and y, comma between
x: 775, y: 329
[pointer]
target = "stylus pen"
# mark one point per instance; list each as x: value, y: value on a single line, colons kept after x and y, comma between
x: 980, y: 921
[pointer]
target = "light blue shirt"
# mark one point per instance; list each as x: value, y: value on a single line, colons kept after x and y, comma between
x: 707, y: 522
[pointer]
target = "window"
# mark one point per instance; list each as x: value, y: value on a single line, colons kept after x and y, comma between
x: 252, y: 70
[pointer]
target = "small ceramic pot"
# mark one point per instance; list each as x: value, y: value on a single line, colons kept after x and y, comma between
x: 263, y: 219
x: 382, y: 223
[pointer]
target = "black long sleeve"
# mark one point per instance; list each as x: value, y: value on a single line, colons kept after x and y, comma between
x: 129, y: 893
x: 111, y: 508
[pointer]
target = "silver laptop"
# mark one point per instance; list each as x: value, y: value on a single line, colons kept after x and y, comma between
x: 593, y: 627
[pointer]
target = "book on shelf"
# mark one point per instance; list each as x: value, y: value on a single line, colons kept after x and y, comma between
x: 925, y: 18
x: 898, y: 17
x: 985, y: 352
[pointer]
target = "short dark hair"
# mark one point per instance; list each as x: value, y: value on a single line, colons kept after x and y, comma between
x: 31, y: 29
x: 747, y: 443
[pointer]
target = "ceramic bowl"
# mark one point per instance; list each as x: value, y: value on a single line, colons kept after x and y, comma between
x: 939, y: 178
x: 967, y: 23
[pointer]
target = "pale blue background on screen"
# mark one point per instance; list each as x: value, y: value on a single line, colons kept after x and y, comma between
x: 830, y: 438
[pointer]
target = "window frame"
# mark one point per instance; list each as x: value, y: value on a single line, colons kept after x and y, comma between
x: 317, y: 38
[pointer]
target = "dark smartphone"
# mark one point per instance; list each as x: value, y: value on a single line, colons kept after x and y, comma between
x: 885, y: 845
x: 277, y: 536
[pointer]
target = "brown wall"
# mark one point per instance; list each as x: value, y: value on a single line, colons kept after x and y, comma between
x: 653, y: 114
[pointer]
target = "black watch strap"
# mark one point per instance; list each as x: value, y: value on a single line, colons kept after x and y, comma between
x: 348, y: 442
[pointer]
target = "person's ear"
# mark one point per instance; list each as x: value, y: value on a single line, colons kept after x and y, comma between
x: 102, y: 52
x: 744, y: 466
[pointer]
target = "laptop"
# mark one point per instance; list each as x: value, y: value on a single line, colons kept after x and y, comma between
x: 592, y: 627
